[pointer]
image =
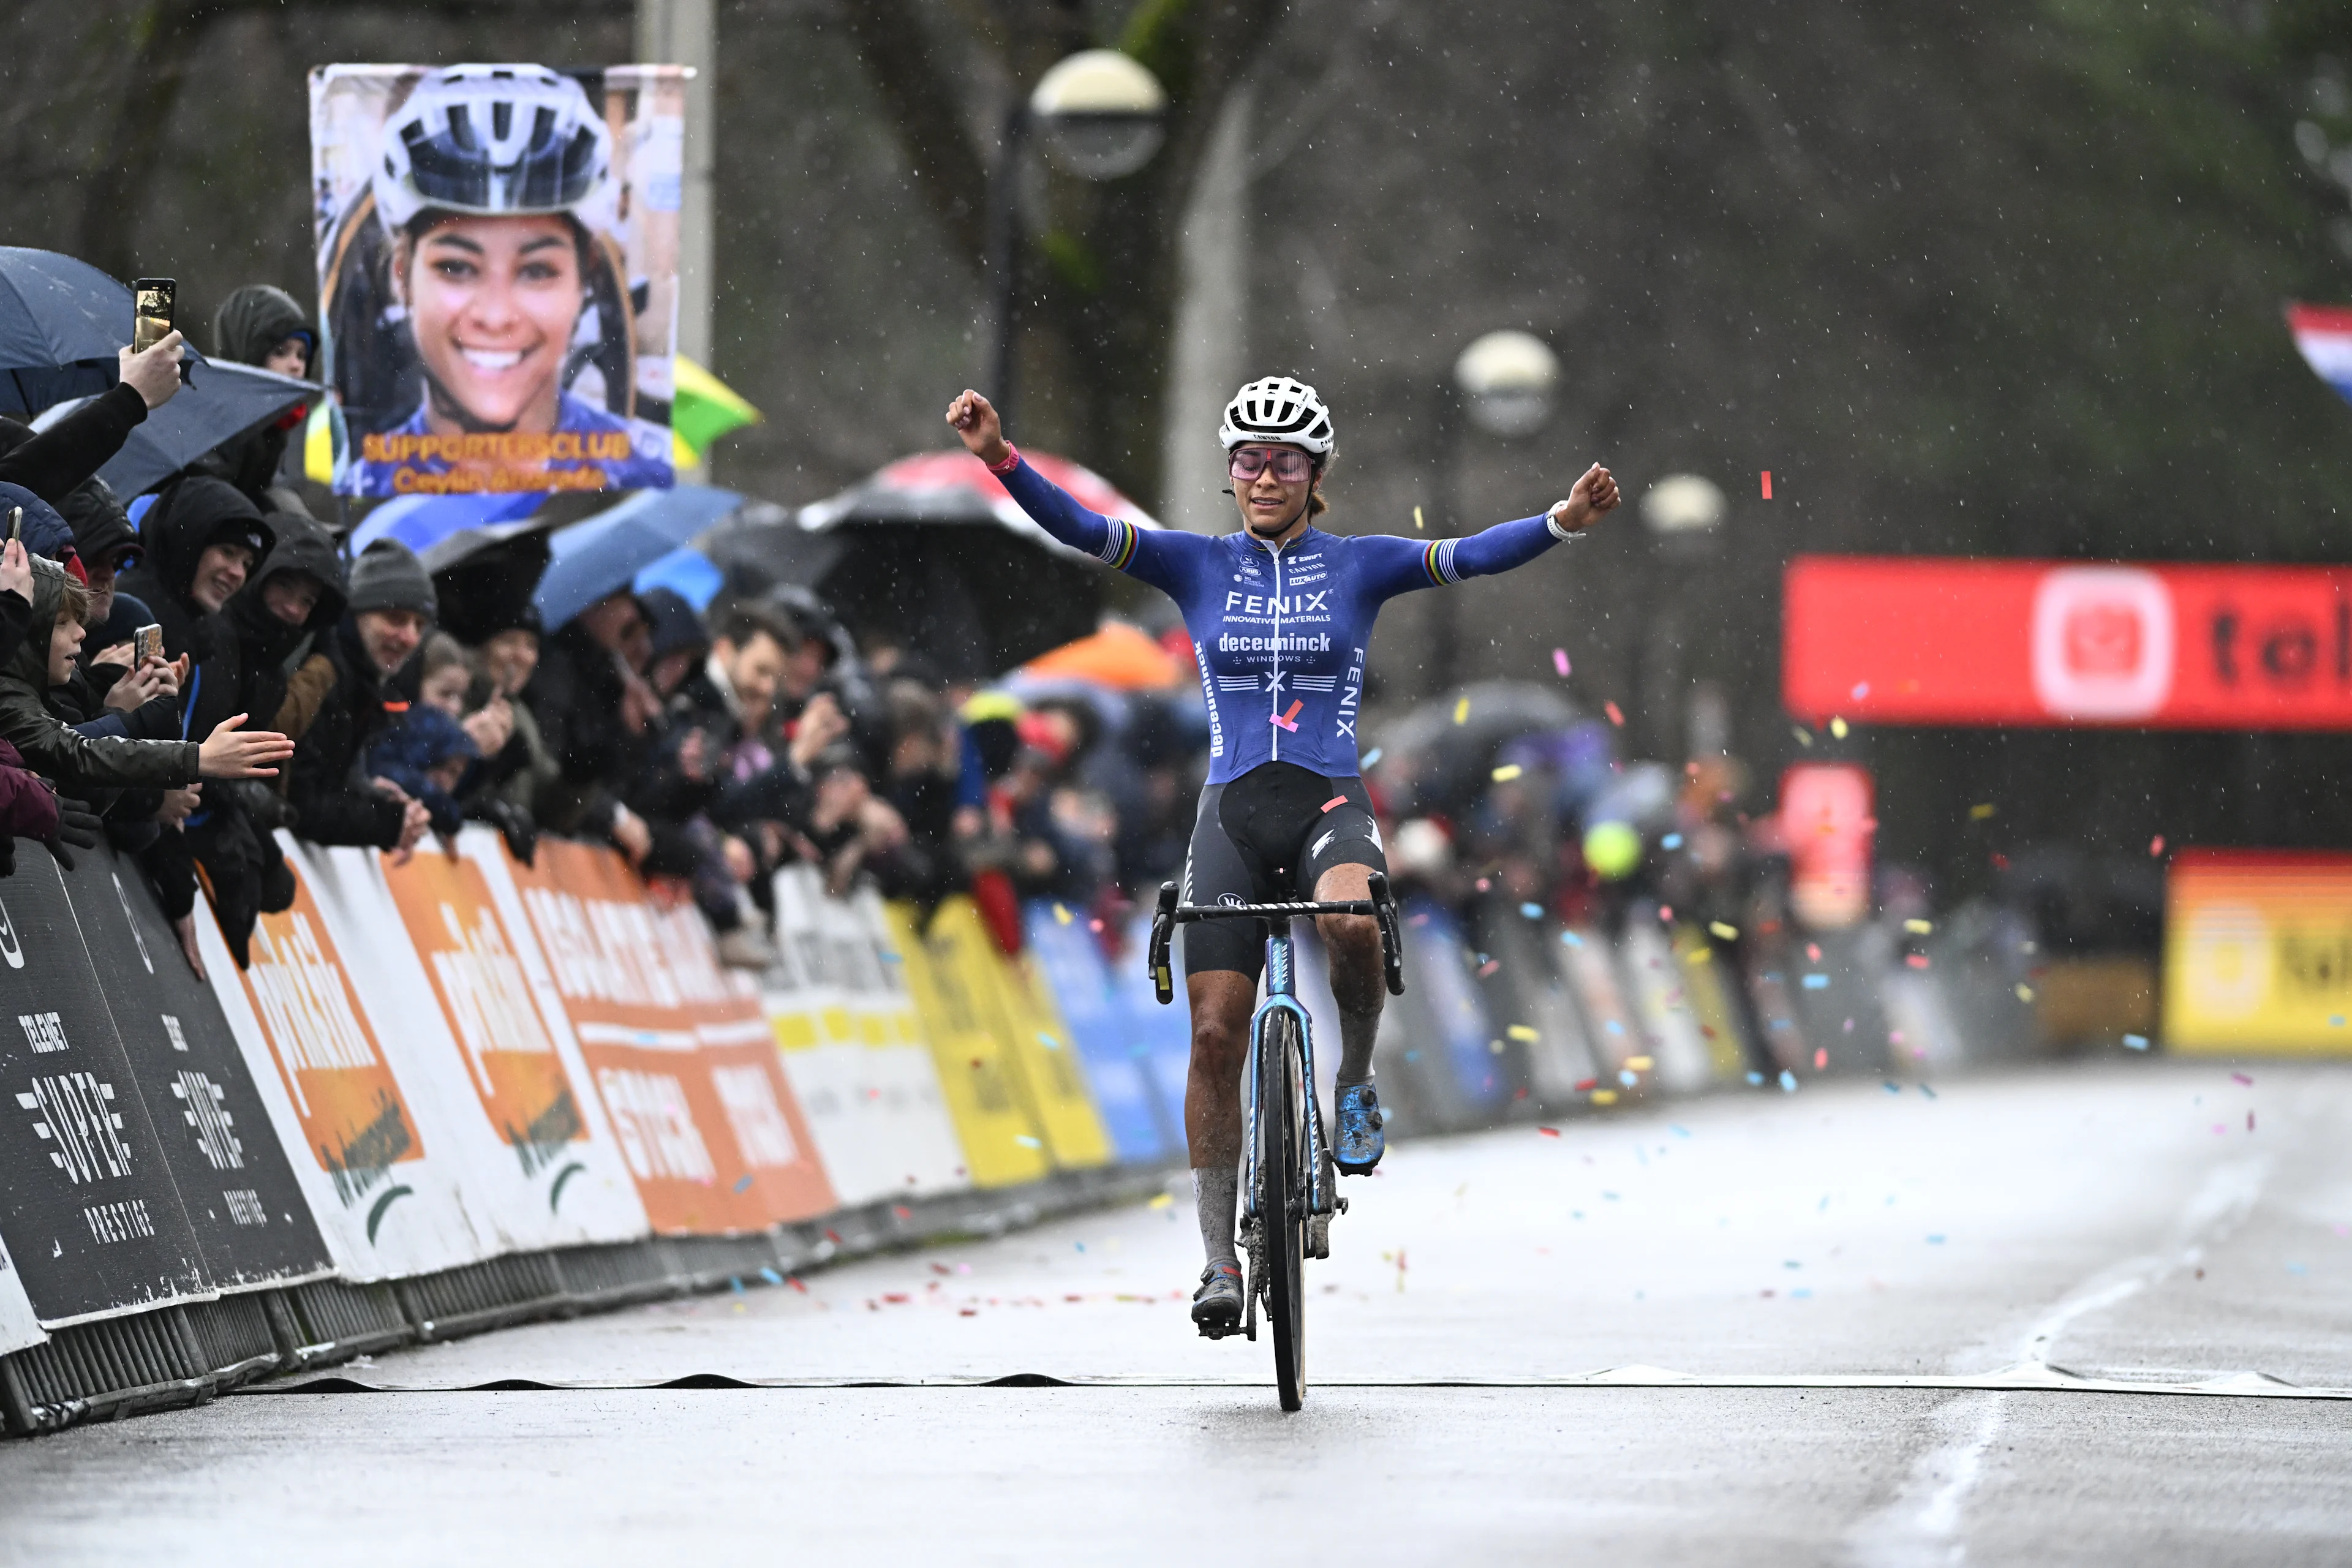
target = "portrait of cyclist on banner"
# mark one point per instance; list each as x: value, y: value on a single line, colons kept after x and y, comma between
x: 1280, y: 614
x: 485, y: 295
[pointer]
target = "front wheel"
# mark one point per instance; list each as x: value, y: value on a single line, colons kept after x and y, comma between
x: 1282, y: 1201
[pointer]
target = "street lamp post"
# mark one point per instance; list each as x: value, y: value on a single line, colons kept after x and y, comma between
x: 1682, y: 512
x: 1100, y: 115
x: 1503, y: 382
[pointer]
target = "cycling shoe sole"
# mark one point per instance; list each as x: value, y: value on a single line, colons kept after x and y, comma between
x: 1217, y: 1321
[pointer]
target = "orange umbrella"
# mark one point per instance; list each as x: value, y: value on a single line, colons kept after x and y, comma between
x: 1119, y: 655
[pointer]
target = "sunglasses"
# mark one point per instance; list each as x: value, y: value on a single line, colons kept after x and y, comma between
x: 1246, y: 463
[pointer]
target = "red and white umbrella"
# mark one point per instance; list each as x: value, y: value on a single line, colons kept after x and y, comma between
x: 957, y: 488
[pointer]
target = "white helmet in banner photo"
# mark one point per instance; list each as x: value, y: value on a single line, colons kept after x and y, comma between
x: 486, y: 274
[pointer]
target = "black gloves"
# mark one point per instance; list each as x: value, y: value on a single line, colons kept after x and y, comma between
x: 513, y: 822
x: 77, y: 826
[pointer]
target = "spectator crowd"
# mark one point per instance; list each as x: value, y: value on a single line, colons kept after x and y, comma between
x: 187, y: 684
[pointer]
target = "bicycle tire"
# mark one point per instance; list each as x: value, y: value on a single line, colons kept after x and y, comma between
x: 1282, y: 1203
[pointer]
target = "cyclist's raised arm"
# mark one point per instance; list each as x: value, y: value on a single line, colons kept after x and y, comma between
x: 1400, y: 566
x: 1142, y: 553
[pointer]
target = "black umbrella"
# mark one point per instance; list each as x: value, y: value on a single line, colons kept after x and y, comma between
x: 1442, y: 750
x: 61, y: 322
x: 229, y: 398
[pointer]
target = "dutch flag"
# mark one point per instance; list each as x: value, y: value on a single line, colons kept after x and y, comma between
x: 2322, y: 333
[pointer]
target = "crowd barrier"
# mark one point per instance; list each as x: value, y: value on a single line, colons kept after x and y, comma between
x: 461, y: 1090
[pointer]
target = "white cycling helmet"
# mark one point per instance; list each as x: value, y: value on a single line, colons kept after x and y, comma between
x: 495, y: 140
x: 1278, y: 409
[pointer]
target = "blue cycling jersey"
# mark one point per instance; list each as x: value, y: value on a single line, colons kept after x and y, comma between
x: 1279, y: 636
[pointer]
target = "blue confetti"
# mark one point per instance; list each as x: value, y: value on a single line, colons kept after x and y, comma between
x: 1892, y: 1088
x: 1671, y: 841
x: 890, y: 957
x: 737, y: 1285
x: 1048, y: 1041
x: 745, y: 1185
x: 2137, y: 1042
x: 1615, y: 1027
x: 1925, y: 1090
x: 771, y: 1276
x: 1817, y: 982
x: 1678, y: 1130
x: 1756, y: 1077
x: 1937, y: 1241
x: 1371, y: 757
x: 1413, y: 1055
x: 1532, y: 911
x: 1801, y: 1293
x: 1627, y: 1077
x: 1569, y: 939
x: 2297, y: 1269
x: 1787, y: 1081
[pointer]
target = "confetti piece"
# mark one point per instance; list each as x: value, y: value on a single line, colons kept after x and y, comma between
x: 1892, y: 1088
x: 2241, y: 1077
x: 2156, y: 845
x: 1615, y: 716
x: 1918, y: 927
x: 1821, y: 1059
x: 1936, y: 1241
x: 1817, y: 982
x: 1061, y: 914
x: 1860, y: 690
x: 2024, y: 992
x: 771, y: 1276
x: 1559, y: 661
x: 1695, y: 957
x: 2000, y: 861
x: 1489, y: 968
x: 744, y: 1186
x: 1837, y: 727
x: 1927, y: 1089
x: 1048, y: 1041
x: 1639, y: 1064
x: 1981, y: 812
x: 1787, y: 1081
x: 1507, y: 772
x: 1371, y: 757
x: 1916, y: 960
x: 1416, y: 518
x: 1724, y: 929
x: 1531, y: 911
x: 1569, y: 939
x: 1604, y: 1096
x: 1805, y: 736
x: 2136, y: 1042
x: 1335, y: 801
x: 1671, y: 841
x: 1290, y: 720
x: 1586, y: 1085
x: 1461, y: 708
x: 1026, y: 1142
x: 1756, y: 1077
x: 1767, y: 484
x: 1665, y: 914
x: 1162, y: 1201
x: 2250, y: 1122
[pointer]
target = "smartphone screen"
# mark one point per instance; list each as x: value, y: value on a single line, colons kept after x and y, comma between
x: 151, y: 298
x: 147, y: 643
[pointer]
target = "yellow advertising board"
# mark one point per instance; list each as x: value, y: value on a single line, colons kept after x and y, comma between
x: 1021, y: 1010
x: 2258, y: 953
x: 980, y: 1084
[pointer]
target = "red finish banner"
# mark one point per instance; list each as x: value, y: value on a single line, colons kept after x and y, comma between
x: 1923, y: 640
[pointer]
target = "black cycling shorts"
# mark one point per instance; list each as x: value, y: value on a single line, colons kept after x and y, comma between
x: 1268, y: 837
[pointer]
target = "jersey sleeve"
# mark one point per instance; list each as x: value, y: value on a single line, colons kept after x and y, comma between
x: 1395, y: 565
x: 1158, y: 556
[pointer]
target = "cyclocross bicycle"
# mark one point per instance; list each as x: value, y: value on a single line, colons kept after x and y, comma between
x: 1287, y: 1176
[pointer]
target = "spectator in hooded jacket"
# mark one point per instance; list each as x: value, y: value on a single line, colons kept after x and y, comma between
x: 390, y: 609
x: 260, y: 325
x: 199, y: 543
x: 595, y: 714
x: 426, y: 753
x: 283, y: 618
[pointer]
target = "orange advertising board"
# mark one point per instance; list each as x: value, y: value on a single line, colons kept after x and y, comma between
x: 510, y: 1058
x: 354, y: 1118
x: 708, y: 1126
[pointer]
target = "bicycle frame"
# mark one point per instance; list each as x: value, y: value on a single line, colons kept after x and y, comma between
x: 1281, y: 995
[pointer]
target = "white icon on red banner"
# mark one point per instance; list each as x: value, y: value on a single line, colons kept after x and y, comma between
x: 2102, y: 643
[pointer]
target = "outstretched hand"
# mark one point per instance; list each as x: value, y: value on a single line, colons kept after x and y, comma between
x: 232, y: 752
x: 975, y: 420
x: 1595, y: 493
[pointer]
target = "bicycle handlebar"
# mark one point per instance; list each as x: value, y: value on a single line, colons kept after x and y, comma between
x: 1382, y: 907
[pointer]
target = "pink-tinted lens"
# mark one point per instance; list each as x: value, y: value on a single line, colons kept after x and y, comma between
x: 1249, y: 462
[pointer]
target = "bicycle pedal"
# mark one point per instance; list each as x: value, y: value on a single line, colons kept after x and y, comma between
x: 1318, y: 1235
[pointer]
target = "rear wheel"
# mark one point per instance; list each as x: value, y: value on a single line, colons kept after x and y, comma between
x: 1282, y: 1202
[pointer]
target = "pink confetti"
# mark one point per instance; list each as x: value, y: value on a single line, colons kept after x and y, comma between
x: 2241, y: 1077
x: 2156, y: 845
x: 1559, y: 661
x: 1615, y: 717
x: 1767, y: 484
x: 1549, y: 1131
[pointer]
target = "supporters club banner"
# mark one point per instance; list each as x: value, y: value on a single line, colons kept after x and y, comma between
x: 498, y: 251
x: 2258, y: 953
x: 1928, y: 641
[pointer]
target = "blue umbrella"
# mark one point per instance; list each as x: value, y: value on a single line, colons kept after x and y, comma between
x: 229, y: 398
x: 446, y: 530
x: 686, y: 571
x: 61, y: 322
x: 604, y: 554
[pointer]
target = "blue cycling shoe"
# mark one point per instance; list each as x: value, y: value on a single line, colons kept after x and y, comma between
x: 1360, y: 1144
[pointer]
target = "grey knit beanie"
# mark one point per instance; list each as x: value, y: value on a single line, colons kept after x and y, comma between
x: 389, y: 577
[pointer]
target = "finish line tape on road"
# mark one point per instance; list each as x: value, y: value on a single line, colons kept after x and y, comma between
x: 2025, y: 1377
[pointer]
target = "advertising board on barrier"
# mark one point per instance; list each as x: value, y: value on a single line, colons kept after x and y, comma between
x: 87, y: 1202
x: 497, y: 253
x: 2258, y: 953
x: 1919, y: 640
x: 1019, y: 1008
x: 1071, y: 964
x: 1002, y: 1146
x: 19, y: 1326
x: 240, y: 1194
x: 386, y: 1201
x: 923, y: 1150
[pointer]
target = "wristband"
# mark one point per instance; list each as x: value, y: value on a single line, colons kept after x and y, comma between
x: 1551, y: 523
x: 1012, y: 460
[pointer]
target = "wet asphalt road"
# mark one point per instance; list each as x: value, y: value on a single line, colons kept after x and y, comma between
x: 2120, y: 1222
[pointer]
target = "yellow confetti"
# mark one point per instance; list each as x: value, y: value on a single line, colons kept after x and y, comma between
x: 1805, y: 736
x: 1521, y: 1032
x: 2024, y: 992
x: 1461, y: 708
x: 1918, y: 927
x: 1698, y: 955
x: 1604, y: 1096
x: 1639, y: 1064
x: 1724, y: 929
x: 1161, y: 1202
x: 1416, y: 517
x: 1980, y: 812
x: 1837, y: 728
x: 1061, y: 914
x: 1507, y: 771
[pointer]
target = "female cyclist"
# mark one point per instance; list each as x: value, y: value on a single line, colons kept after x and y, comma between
x: 1280, y: 615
